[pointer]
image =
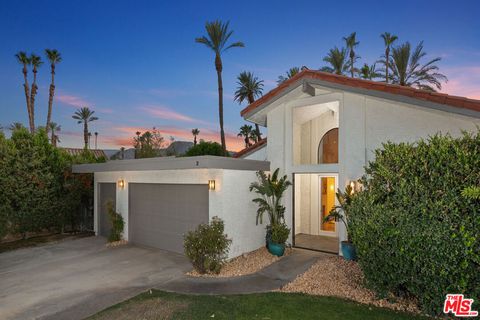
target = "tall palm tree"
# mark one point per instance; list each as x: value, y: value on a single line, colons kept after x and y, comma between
x: 54, y: 57
x: 369, y: 72
x: 337, y: 60
x: 195, y: 133
x: 54, y: 128
x: 217, y: 38
x: 84, y: 115
x: 407, y: 69
x: 351, y: 43
x: 246, y: 132
x: 289, y: 74
x: 388, y: 40
x: 249, y: 88
x: 36, y: 62
x: 24, y: 60
x: 96, y: 138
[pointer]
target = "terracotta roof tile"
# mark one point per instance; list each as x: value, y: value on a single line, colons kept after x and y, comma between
x: 441, y: 98
x: 250, y: 149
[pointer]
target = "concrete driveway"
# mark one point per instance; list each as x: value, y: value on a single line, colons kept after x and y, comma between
x: 77, y: 278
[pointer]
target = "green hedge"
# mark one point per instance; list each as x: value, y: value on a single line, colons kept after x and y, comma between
x: 415, y: 233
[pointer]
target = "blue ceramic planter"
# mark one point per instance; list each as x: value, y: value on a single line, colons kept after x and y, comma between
x: 348, y: 250
x: 276, y: 249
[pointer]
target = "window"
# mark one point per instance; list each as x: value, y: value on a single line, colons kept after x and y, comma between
x: 328, y: 147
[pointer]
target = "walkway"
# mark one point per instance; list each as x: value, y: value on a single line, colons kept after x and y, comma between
x: 270, y: 278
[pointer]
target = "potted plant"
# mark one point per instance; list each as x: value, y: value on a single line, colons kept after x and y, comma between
x: 270, y: 189
x: 279, y: 236
x: 340, y: 213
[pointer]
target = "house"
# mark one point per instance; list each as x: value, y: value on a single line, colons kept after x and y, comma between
x: 97, y: 153
x: 322, y: 131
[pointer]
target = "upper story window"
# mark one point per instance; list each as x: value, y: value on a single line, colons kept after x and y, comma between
x: 328, y: 147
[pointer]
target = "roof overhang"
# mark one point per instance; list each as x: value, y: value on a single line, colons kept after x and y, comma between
x: 307, y: 82
x: 201, y: 162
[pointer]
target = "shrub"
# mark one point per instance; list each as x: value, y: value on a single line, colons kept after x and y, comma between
x: 280, y: 233
x: 414, y: 232
x: 207, y: 246
x: 204, y: 148
x: 117, y: 223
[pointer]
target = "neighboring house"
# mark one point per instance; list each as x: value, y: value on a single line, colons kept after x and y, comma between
x: 176, y: 148
x: 322, y: 131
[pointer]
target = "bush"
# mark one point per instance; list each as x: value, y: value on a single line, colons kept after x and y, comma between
x: 207, y: 247
x: 117, y: 223
x: 280, y: 233
x: 415, y: 233
x: 205, y: 149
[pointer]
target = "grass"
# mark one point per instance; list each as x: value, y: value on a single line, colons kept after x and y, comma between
x: 40, y: 240
x: 275, y: 305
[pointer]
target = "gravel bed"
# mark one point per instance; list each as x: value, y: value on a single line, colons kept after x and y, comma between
x: 334, y: 276
x: 247, y: 263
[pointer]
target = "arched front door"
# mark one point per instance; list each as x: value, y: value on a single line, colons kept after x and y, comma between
x: 328, y: 147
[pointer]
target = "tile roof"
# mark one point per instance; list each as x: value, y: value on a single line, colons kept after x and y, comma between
x: 77, y: 151
x: 441, y: 98
x: 250, y: 149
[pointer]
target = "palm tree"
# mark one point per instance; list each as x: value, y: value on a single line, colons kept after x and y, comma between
x: 96, y: 138
x: 407, y: 69
x: 24, y: 60
x: 54, y: 58
x: 369, y: 72
x: 84, y: 115
x: 217, y: 38
x: 53, y: 136
x: 246, y: 132
x: 289, y: 74
x: 249, y: 88
x: 351, y: 43
x: 36, y: 62
x: 388, y: 40
x: 16, y: 126
x: 337, y: 60
x: 195, y: 133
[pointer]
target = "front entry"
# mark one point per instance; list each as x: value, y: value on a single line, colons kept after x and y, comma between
x: 314, y: 197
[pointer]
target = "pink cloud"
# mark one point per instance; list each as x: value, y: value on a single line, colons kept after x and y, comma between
x: 463, y: 81
x: 168, y: 114
x: 72, y: 100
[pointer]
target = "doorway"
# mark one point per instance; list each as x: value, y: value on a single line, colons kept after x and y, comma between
x: 314, y: 197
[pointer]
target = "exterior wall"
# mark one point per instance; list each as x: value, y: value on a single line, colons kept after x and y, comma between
x: 365, y: 122
x: 231, y: 199
x: 259, y: 154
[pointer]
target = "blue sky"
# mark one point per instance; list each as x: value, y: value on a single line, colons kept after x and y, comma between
x: 137, y: 65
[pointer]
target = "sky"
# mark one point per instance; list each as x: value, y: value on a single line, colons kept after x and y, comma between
x: 136, y: 63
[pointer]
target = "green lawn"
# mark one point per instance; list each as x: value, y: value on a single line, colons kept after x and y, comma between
x: 162, y: 305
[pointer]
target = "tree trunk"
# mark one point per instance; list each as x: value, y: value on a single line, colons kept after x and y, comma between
x: 27, y: 98
x: 257, y: 127
x: 218, y: 66
x: 85, y: 133
x: 387, y: 53
x: 194, y: 140
x: 32, y: 99
x: 51, y: 93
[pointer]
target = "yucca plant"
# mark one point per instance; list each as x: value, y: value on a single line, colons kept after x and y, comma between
x: 270, y: 190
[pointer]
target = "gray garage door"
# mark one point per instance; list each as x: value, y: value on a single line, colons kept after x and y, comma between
x: 160, y: 214
x: 106, y: 192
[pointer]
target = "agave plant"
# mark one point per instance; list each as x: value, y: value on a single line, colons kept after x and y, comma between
x: 270, y: 190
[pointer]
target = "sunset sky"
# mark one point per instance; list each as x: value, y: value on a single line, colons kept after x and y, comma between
x: 137, y: 65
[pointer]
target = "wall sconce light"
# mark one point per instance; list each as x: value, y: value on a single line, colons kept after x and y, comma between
x: 211, y: 184
x: 121, y: 184
x: 356, y: 186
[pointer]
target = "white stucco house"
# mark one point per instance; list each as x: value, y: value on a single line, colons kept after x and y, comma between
x: 322, y: 131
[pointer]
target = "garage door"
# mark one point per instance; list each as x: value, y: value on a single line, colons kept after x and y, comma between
x: 160, y: 214
x: 106, y: 192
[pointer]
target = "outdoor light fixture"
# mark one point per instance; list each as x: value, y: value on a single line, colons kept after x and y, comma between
x: 121, y: 184
x: 211, y: 184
